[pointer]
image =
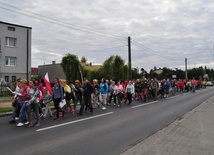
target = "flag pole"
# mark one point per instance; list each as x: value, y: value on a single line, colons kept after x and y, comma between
x: 80, y: 74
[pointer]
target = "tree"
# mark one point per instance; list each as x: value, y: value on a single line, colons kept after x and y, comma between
x: 83, y: 60
x: 126, y: 73
x: 70, y: 65
x: 195, y: 72
x: 135, y: 74
x: 107, y: 69
x: 152, y: 74
x: 114, y: 68
x: 118, y: 64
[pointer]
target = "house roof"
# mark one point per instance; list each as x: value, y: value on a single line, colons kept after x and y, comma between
x: 15, y: 25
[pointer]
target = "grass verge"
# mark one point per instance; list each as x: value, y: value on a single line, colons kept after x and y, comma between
x: 8, y: 109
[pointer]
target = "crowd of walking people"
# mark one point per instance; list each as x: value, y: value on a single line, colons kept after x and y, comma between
x: 32, y: 98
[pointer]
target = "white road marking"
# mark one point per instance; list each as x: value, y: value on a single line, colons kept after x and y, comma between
x: 172, y: 97
x: 144, y: 104
x: 80, y: 120
x: 186, y: 93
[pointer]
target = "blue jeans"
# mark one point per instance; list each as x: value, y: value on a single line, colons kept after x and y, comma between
x: 193, y: 88
x: 23, y: 111
x: 173, y: 90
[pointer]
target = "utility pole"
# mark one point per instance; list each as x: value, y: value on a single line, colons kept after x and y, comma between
x: 129, y: 57
x: 186, y: 69
x: 213, y: 55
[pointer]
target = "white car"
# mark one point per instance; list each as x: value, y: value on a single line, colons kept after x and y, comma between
x: 209, y: 83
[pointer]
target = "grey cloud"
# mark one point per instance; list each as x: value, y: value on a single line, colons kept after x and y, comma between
x: 172, y: 29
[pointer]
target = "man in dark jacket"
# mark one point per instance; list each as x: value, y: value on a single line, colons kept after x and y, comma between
x: 88, y: 90
x: 144, y: 86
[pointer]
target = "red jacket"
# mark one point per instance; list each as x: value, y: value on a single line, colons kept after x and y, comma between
x: 181, y: 83
x: 24, y: 93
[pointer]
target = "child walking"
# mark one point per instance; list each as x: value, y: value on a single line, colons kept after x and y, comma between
x: 46, y: 101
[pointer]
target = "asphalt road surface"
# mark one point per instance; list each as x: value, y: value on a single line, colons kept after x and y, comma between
x: 109, y: 132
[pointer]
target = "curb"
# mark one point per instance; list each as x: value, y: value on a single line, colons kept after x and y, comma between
x: 10, y: 113
x: 5, y: 114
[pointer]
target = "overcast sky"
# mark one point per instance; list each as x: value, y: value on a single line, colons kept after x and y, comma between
x: 163, y: 32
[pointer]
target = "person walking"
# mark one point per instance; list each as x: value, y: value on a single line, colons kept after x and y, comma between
x: 111, y: 88
x: 167, y: 86
x: 144, y: 86
x: 78, y: 92
x: 33, y: 104
x: 67, y: 95
x: 24, y: 100
x: 173, y: 86
x: 46, y: 101
x: 118, y: 91
x: 16, y: 102
x: 57, y: 97
x: 129, y: 91
x: 87, y: 91
x: 155, y: 88
x: 95, y: 94
x: 193, y: 83
x: 103, y: 89
x: 138, y: 90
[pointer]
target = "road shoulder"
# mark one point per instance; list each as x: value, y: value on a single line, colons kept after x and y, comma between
x: 193, y: 134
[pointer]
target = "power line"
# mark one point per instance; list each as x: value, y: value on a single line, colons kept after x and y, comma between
x: 90, y: 51
x: 148, y: 50
x: 107, y: 44
x: 59, y: 20
x: 48, y: 19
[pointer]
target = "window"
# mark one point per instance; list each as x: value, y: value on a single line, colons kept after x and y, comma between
x: 11, y: 28
x: 10, y: 61
x: 6, y: 78
x: 13, y: 78
x: 0, y: 45
x: 11, y: 42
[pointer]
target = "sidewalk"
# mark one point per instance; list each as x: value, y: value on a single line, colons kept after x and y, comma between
x: 6, y: 105
x: 192, y: 135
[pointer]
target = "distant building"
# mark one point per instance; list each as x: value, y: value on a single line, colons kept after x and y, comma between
x: 34, y: 73
x: 158, y: 71
x: 15, y: 52
x: 54, y: 70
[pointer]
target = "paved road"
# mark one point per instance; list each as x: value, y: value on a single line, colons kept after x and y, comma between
x: 103, y: 133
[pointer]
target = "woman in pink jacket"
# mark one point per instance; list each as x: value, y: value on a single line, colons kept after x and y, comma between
x: 118, y: 91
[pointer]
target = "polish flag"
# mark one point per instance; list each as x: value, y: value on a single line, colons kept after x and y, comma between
x: 47, y: 83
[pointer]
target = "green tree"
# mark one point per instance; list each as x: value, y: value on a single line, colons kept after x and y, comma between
x: 70, y: 67
x: 125, y: 74
x: 107, y: 69
x: 83, y: 59
x: 135, y: 74
x: 114, y: 68
x: 93, y: 75
x: 195, y: 72
x: 118, y: 66
x: 152, y: 74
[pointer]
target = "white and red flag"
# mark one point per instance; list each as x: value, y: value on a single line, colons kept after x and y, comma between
x: 47, y: 83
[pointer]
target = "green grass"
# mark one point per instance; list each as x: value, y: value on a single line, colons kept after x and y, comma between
x: 10, y: 109
x: 5, y: 100
x: 3, y: 110
x: 5, y: 94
